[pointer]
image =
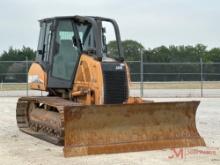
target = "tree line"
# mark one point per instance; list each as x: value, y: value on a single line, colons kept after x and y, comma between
x: 181, y: 55
x: 171, y: 63
x: 11, y: 70
x: 166, y: 54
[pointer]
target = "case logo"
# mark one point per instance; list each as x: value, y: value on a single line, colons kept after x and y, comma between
x: 119, y: 67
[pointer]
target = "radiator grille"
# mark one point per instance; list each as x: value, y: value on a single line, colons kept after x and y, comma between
x: 115, y: 85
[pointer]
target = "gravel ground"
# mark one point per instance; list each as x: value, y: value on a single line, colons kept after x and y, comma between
x: 21, y: 149
x: 148, y: 93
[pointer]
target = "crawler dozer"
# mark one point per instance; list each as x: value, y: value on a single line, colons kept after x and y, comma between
x: 88, y: 108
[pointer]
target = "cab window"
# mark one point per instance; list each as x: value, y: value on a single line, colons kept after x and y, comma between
x: 67, y: 53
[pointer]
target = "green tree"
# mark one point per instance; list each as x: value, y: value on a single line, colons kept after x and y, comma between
x: 159, y: 54
x: 131, y: 49
x: 18, y: 54
x: 14, y: 67
x: 213, y: 55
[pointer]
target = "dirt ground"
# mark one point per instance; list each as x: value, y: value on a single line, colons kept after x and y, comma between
x: 21, y: 149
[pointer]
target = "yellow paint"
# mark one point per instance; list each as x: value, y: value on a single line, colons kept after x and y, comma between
x: 89, y: 78
x: 36, y: 69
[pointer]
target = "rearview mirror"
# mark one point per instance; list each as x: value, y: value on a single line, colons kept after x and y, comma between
x: 40, y: 52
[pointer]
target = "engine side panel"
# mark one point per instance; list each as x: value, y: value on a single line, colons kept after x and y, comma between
x: 88, y: 83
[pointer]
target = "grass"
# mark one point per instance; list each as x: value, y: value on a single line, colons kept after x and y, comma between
x: 13, y: 86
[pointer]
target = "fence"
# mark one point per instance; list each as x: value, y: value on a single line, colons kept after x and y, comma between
x: 186, y: 79
x: 148, y: 79
x: 14, y: 79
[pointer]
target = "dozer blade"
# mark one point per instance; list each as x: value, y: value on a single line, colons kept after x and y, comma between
x: 130, y: 127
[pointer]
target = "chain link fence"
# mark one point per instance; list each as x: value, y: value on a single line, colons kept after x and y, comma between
x: 14, y: 79
x: 147, y: 79
x: 174, y: 79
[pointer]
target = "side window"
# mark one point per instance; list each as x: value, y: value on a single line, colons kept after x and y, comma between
x: 86, y: 36
x: 65, y: 58
x: 109, y: 37
x: 40, y: 46
x: 44, y: 41
x: 47, y: 42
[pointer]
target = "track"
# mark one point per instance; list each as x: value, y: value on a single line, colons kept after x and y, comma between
x: 43, y: 117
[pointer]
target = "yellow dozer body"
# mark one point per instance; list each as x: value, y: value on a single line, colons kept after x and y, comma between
x: 88, y: 108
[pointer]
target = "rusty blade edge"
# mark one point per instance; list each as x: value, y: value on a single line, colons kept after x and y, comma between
x: 132, y: 147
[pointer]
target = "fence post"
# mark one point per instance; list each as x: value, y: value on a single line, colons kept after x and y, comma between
x: 1, y: 84
x: 201, y: 76
x: 141, y: 74
x: 26, y: 75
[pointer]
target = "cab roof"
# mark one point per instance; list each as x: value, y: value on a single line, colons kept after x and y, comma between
x: 73, y: 17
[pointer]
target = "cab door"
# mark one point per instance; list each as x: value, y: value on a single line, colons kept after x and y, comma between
x: 64, y: 55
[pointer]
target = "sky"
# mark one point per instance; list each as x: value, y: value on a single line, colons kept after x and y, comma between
x: 151, y: 22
